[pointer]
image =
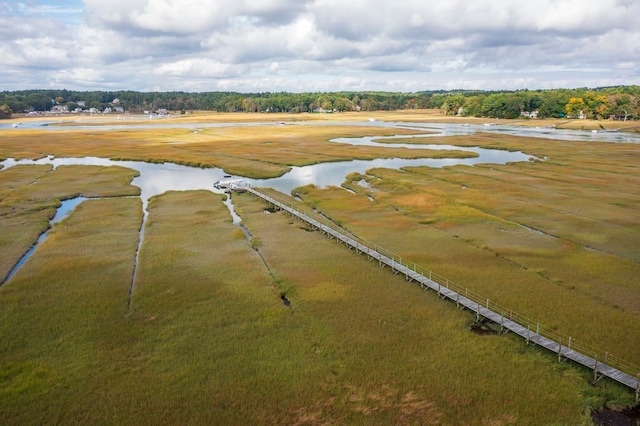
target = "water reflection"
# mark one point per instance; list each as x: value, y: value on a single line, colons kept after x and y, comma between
x: 155, y: 179
x: 450, y: 129
x: 437, y: 129
x: 63, y: 211
x: 65, y: 208
x: 333, y: 174
x: 237, y: 220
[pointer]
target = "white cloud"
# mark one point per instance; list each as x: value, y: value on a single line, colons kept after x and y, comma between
x: 44, y: 53
x: 199, y: 68
x: 81, y: 76
x: 319, y: 44
x: 179, y: 16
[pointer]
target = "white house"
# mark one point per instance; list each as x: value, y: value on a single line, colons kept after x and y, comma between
x: 59, y: 109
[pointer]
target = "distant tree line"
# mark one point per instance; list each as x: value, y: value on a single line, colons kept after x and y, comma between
x: 620, y: 102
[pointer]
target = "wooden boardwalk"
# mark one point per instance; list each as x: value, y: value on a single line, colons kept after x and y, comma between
x: 465, y: 299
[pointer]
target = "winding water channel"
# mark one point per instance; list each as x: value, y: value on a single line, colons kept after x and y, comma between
x: 156, y: 179
x: 437, y: 129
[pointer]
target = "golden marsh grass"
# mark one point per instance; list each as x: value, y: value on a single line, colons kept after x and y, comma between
x: 260, y: 152
x: 30, y: 195
x: 398, y: 341
x: 207, y: 338
x: 553, y: 240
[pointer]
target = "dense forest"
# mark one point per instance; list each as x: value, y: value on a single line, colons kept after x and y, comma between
x: 620, y: 102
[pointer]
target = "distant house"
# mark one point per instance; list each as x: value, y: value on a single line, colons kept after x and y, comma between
x: 116, y: 101
x: 59, y: 109
x: 324, y: 111
x: 529, y: 114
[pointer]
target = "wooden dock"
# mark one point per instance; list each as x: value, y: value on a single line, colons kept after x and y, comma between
x: 602, y: 364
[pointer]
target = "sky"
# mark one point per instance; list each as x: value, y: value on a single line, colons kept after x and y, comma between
x: 318, y: 45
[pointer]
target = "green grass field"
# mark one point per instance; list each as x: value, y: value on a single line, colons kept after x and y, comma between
x: 203, y: 336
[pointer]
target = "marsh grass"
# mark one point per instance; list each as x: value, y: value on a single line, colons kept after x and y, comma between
x: 57, y: 311
x: 30, y: 196
x: 396, y: 343
x: 208, y: 339
x: 555, y: 241
x: 224, y: 348
x: 20, y: 230
x: 258, y: 152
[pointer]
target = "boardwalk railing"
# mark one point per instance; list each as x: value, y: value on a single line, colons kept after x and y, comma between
x: 602, y: 363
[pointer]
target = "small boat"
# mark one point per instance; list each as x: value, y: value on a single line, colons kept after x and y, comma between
x: 227, y: 183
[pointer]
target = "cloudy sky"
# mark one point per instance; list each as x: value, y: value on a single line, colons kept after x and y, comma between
x: 318, y: 45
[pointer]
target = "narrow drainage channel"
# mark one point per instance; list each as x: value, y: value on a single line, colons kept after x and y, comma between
x: 134, y: 275
x: 237, y: 220
x: 63, y: 211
